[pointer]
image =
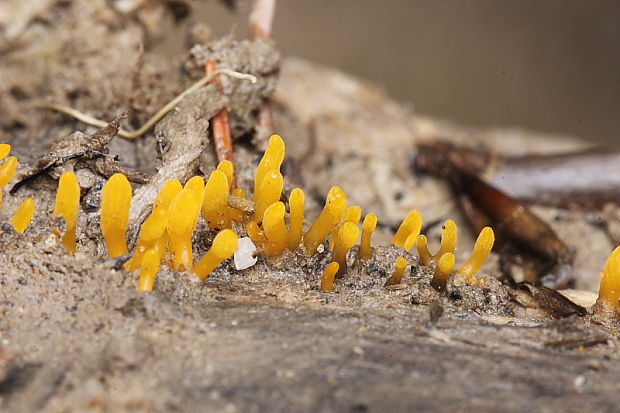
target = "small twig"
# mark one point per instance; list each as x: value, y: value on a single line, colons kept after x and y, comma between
x: 261, y: 19
x: 222, y: 139
x: 89, y: 120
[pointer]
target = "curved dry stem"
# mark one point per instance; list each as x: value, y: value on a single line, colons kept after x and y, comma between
x: 89, y: 120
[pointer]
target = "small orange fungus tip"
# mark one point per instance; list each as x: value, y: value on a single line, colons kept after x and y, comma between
x: 368, y: 227
x: 215, y: 202
x: 183, y: 212
x: 275, y: 229
x: 153, y: 228
x: 7, y: 170
x: 296, y: 218
x: 271, y: 160
x: 269, y: 192
x: 408, y: 230
x: 346, y: 238
x: 423, y: 252
x: 149, y: 268
x: 448, y: 238
x: 66, y: 206
x: 115, y: 203
x: 5, y: 148
x: 400, y: 265
x: 23, y: 215
x: 224, y: 246
x: 166, y: 194
x: 354, y: 214
x: 235, y: 214
x: 333, y: 212
x: 481, y: 251
x: 327, y: 280
x: 443, y: 270
x: 255, y: 234
x: 196, y: 184
x: 227, y: 168
x: 609, y: 288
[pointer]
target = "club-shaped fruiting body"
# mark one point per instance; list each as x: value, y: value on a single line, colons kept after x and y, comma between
x: 408, y: 231
x: 400, y: 265
x: 223, y: 247
x: 443, y: 270
x: 296, y: 218
x: 333, y: 212
x: 67, y: 206
x: 268, y: 192
x: 482, y: 248
x: 271, y: 161
x: 183, y: 214
x: 368, y: 226
x: 275, y: 229
x: 215, y: 202
x: 23, y: 215
x: 609, y: 287
x: 448, y: 244
x: 5, y: 148
x: 154, y: 226
x: 345, y: 239
x: 149, y: 268
x: 423, y: 253
x: 7, y: 170
x: 115, y: 203
x: 353, y: 214
x: 327, y: 280
x: 256, y: 234
x: 227, y: 168
x: 235, y: 214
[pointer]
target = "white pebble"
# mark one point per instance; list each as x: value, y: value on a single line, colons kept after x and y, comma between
x: 245, y: 255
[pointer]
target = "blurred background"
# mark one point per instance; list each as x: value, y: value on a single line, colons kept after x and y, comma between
x: 550, y: 65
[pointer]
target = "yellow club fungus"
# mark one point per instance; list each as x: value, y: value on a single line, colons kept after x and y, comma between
x: 443, y: 270
x: 423, y: 252
x: 368, y: 226
x: 150, y: 267
x: 400, y: 265
x: 268, y: 192
x: 23, y: 215
x: 408, y: 230
x: 215, y: 202
x: 256, y: 234
x: 183, y: 212
x: 448, y: 238
x: 346, y: 238
x: 333, y: 212
x: 271, y: 160
x: 235, y: 214
x: 448, y: 244
x: 481, y: 250
x: 609, y: 288
x: 275, y: 229
x: 354, y: 214
x: 154, y: 226
x: 224, y: 246
x: 5, y: 148
x: 327, y: 280
x: 226, y: 167
x: 196, y: 184
x: 166, y: 194
x: 7, y: 170
x: 115, y: 203
x: 66, y: 206
x: 296, y: 218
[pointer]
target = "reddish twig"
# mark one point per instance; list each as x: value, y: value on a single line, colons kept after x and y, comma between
x: 261, y: 19
x: 261, y: 23
x: 222, y: 139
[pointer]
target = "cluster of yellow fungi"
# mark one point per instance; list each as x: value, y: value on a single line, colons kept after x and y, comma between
x: 166, y: 234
